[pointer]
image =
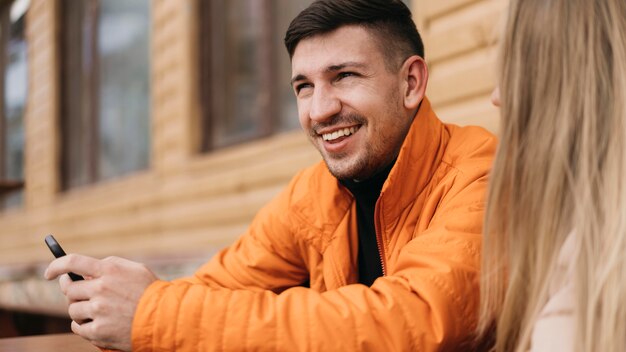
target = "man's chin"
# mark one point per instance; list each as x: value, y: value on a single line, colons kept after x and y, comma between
x: 342, y: 175
x: 345, y: 170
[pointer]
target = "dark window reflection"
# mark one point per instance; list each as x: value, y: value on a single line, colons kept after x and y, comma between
x: 14, y: 94
x: 246, y: 69
x: 124, y: 87
x: 105, y: 85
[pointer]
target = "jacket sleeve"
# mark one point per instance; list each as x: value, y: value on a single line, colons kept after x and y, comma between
x: 427, y: 303
x: 439, y: 270
x: 266, y: 257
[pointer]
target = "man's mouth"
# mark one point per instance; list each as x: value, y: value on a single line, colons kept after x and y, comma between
x: 344, y: 132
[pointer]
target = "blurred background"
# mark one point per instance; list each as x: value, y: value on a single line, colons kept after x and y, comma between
x: 156, y: 129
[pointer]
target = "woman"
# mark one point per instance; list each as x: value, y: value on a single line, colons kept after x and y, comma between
x: 554, y: 256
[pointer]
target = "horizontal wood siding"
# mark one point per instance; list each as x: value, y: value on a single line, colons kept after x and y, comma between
x: 186, y: 202
x: 189, y: 204
x: 460, y: 38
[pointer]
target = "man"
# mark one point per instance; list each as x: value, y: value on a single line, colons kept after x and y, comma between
x: 376, y: 248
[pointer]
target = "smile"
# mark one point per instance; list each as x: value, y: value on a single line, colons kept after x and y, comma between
x: 331, y: 136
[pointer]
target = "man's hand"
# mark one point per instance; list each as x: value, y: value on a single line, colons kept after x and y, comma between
x: 102, y: 306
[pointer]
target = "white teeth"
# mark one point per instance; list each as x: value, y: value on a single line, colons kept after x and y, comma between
x: 339, y: 133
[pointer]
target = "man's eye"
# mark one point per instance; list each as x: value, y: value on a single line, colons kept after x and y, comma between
x: 342, y: 75
x: 302, y: 86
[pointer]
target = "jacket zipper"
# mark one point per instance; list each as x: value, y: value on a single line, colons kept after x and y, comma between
x: 380, y: 253
x: 379, y: 239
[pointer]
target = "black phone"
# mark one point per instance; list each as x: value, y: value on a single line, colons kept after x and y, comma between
x: 58, y: 252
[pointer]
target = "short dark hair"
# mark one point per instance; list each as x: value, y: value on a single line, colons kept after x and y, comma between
x: 389, y: 20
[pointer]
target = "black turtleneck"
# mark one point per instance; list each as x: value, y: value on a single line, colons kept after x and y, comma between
x: 366, y: 194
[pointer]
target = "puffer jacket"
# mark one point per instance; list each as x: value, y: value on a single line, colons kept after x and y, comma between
x: 250, y: 296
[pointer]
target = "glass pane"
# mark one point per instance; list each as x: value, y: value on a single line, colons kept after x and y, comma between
x: 15, y: 93
x: 235, y: 39
x: 249, y: 69
x: 124, y: 86
x: 286, y: 11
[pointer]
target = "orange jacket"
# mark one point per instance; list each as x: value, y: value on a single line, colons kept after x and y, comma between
x: 428, y: 220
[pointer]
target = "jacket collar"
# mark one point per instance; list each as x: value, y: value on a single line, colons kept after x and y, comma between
x: 420, y: 155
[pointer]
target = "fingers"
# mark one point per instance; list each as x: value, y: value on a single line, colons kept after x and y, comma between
x: 78, y: 290
x: 98, y: 334
x: 81, y: 312
x: 103, y: 307
x: 83, y: 322
x: 76, y: 328
x: 64, y: 283
x: 86, y: 330
x: 79, y: 264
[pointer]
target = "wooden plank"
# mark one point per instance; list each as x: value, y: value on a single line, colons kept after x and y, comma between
x: 144, y: 193
x: 63, y: 342
x: 193, y: 242
x: 468, y: 76
x: 478, y: 111
x: 478, y: 31
x: 210, y: 191
x: 432, y: 9
x: 41, y: 125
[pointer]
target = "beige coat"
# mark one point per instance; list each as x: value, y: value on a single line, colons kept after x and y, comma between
x: 555, y: 328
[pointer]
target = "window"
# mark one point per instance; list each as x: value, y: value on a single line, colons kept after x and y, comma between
x: 105, y: 89
x: 13, y: 92
x: 245, y: 69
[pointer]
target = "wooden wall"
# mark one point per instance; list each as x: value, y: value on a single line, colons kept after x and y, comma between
x: 460, y: 38
x: 191, y: 204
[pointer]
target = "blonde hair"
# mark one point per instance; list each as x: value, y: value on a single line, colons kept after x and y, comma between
x: 560, y: 169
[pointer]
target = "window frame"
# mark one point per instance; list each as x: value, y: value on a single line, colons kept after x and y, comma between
x: 91, y: 78
x: 8, y: 186
x: 5, y: 8
x: 80, y: 69
x: 267, y: 62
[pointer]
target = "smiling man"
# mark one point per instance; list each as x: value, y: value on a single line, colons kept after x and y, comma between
x: 350, y: 102
x: 375, y: 248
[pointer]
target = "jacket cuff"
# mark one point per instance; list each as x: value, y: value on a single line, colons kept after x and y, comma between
x: 142, y: 332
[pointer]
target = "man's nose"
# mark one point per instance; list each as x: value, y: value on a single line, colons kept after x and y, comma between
x: 324, y: 104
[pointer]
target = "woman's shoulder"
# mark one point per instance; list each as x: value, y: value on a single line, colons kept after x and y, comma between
x: 555, y: 327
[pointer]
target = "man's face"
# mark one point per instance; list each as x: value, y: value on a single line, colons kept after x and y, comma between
x: 349, y: 103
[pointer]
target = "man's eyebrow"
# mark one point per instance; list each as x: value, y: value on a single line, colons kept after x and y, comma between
x: 330, y: 69
x: 341, y: 66
x: 297, y: 78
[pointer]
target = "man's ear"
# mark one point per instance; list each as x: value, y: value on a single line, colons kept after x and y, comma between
x: 415, y: 76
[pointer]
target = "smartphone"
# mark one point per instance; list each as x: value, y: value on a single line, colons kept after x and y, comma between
x: 58, y: 252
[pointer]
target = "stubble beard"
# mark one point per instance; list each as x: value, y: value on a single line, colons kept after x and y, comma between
x: 369, y: 159
x: 348, y: 169
x: 339, y: 164
x: 365, y: 162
